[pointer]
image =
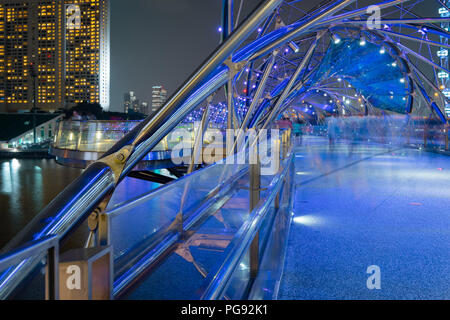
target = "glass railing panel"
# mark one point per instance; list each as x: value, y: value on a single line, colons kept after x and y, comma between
x: 91, y: 136
x: 100, y: 136
x: 219, y: 194
x: 182, y: 273
x: 174, y: 279
x: 238, y: 283
x: 140, y: 219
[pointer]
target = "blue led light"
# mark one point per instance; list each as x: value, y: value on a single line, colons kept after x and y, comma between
x: 374, y: 75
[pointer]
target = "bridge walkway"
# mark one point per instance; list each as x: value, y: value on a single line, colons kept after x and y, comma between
x: 368, y: 205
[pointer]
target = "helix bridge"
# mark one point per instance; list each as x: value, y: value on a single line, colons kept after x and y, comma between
x: 219, y: 230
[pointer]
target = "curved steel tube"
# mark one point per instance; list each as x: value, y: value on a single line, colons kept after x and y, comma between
x: 219, y: 79
x: 217, y: 282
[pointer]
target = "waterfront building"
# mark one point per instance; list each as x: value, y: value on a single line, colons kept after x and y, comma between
x: 17, y: 130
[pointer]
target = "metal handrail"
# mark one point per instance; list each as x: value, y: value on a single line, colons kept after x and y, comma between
x: 160, y: 247
x: 35, y: 248
x: 217, y: 282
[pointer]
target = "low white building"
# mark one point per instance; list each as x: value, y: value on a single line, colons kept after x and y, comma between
x: 16, y: 130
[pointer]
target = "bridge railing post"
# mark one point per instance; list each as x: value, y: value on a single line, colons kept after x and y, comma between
x: 52, y: 275
x: 446, y: 133
x: 103, y: 231
x: 282, y: 153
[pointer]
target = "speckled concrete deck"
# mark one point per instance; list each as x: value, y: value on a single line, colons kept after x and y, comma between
x: 368, y: 206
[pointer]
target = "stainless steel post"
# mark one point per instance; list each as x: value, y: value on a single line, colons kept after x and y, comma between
x: 230, y: 101
x: 52, y: 278
x: 255, y: 188
x: 446, y: 128
x: 425, y: 135
x: 103, y: 230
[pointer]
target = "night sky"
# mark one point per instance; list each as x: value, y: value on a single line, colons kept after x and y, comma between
x: 161, y: 42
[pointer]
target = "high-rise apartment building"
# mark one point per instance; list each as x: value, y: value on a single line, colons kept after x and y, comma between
x: 54, y: 51
x: 159, y: 96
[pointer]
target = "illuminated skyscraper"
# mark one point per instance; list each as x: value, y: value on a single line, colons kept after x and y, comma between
x: 60, y: 48
x: 159, y: 96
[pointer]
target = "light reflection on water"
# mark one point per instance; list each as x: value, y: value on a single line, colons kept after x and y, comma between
x: 26, y: 187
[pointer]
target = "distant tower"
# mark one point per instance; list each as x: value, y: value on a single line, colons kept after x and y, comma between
x: 443, y: 55
x: 144, y: 108
x: 131, y: 102
x: 159, y: 96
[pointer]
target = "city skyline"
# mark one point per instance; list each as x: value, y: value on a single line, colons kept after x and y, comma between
x: 181, y: 32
